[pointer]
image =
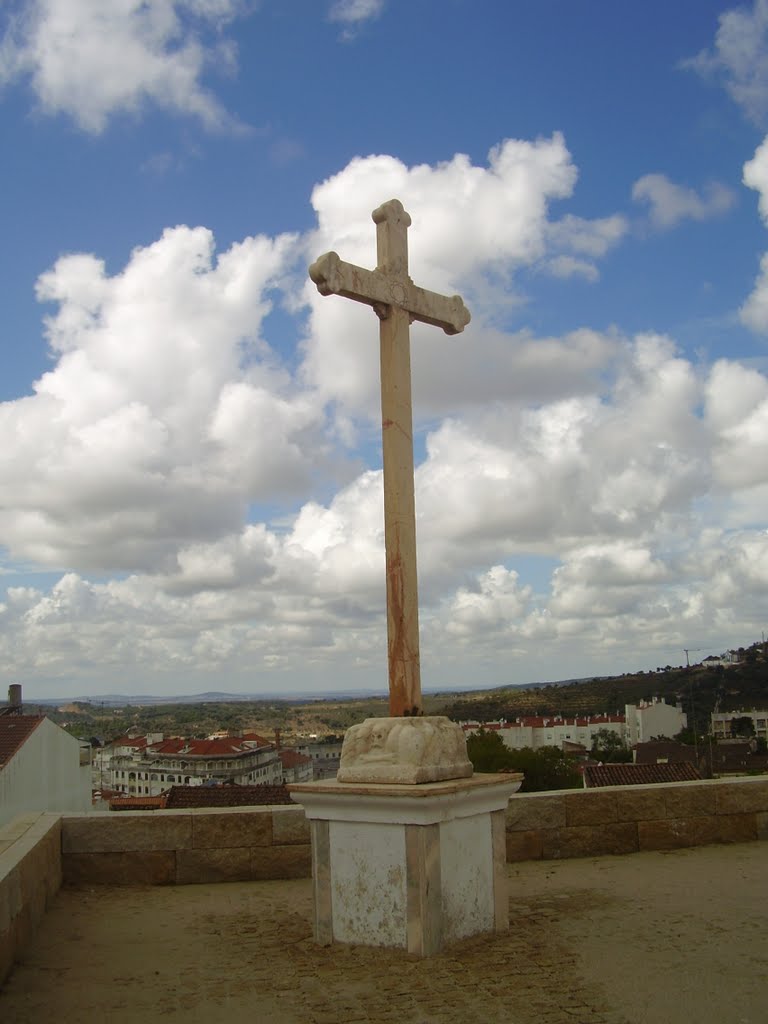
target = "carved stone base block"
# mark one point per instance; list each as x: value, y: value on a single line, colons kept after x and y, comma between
x: 414, y: 867
x: 407, y: 751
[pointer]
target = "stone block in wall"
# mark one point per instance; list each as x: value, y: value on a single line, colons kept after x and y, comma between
x: 12, y: 889
x: 762, y: 825
x: 535, y: 810
x: 226, y: 864
x: 148, y: 867
x: 32, y: 879
x: 591, y: 840
x: 290, y: 826
x: 640, y: 803
x: 590, y: 807
x: 690, y: 800
x: 275, y: 862
x: 527, y: 845
x: 742, y: 797
x: 10, y: 898
x: 233, y: 828
x: 124, y: 831
x: 676, y: 833
x: 7, y: 952
x: 737, y: 828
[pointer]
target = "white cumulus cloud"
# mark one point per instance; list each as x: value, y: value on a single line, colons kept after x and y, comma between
x: 93, y: 60
x: 740, y: 58
x: 670, y: 203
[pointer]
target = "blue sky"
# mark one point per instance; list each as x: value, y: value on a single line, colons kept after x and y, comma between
x: 190, y: 466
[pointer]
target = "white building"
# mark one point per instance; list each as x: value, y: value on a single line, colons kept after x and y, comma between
x: 638, y: 723
x: 42, y: 767
x: 536, y: 731
x: 141, y: 768
x: 325, y: 755
x: 652, y: 719
x: 296, y: 767
x: 721, y: 722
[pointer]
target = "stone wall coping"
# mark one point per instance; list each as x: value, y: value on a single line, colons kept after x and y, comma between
x: 655, y: 787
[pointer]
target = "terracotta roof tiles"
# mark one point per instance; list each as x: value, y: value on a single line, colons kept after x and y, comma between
x: 15, y: 730
x: 226, y: 796
x: 639, y: 774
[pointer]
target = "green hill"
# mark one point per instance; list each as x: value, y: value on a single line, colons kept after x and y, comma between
x: 699, y: 690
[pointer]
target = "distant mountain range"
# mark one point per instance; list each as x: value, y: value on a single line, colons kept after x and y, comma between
x: 293, y: 696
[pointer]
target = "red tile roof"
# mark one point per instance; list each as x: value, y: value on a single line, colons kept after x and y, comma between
x: 227, y: 747
x: 292, y: 758
x: 15, y: 730
x: 253, y: 737
x: 136, y: 803
x: 547, y: 721
x: 127, y: 741
x: 639, y: 774
x: 226, y: 796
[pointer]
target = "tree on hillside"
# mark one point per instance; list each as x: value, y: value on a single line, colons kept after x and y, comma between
x: 545, y: 768
x: 608, y: 746
x: 488, y: 752
x: 743, y: 726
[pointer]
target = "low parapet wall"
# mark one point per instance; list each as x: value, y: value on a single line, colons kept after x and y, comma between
x: 232, y: 844
x: 39, y: 851
x: 30, y: 876
x: 628, y: 819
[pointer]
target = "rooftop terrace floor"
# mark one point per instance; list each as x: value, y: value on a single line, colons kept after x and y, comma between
x: 651, y: 937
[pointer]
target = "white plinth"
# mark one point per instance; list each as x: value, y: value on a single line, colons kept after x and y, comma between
x: 415, y: 867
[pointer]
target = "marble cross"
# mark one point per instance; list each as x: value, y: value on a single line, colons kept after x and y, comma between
x: 397, y: 302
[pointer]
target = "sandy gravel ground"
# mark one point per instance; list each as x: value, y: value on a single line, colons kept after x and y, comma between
x: 658, y: 938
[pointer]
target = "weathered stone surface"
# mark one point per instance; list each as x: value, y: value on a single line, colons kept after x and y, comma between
x: 762, y: 825
x: 528, y: 811
x: 408, y: 751
x: 590, y: 807
x: 590, y: 840
x: 689, y: 800
x: 233, y: 827
x: 222, y: 865
x: 737, y: 828
x: 15, y: 902
x: 132, y: 868
x: 675, y: 833
x: 742, y: 796
x: 5, y: 901
x: 268, y: 862
x: 289, y: 825
x: 528, y: 845
x: 640, y: 803
x: 7, y: 952
x: 107, y: 833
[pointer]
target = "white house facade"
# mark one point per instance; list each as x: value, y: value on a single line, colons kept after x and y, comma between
x: 149, y: 769
x: 651, y: 719
x: 639, y: 723
x: 42, y: 768
x: 721, y: 722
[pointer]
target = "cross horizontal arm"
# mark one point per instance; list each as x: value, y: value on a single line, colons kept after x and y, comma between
x: 335, y: 277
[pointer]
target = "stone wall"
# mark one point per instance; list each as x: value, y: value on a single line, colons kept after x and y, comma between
x: 231, y: 844
x: 30, y: 876
x: 38, y: 851
x: 628, y: 819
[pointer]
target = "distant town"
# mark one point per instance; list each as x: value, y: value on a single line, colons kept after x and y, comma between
x: 148, y: 753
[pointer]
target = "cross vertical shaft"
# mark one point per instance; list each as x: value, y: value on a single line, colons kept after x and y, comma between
x: 397, y: 302
x: 397, y: 456
x: 399, y: 516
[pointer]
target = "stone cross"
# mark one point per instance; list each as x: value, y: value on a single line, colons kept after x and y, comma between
x: 397, y: 302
